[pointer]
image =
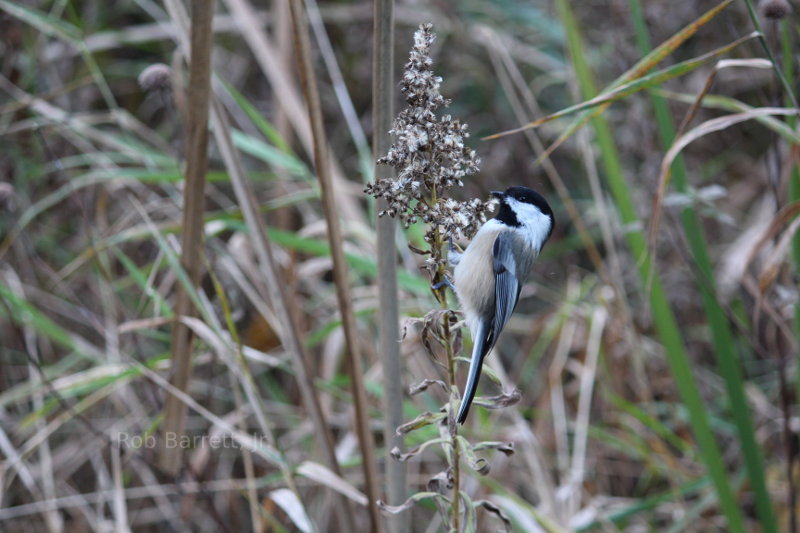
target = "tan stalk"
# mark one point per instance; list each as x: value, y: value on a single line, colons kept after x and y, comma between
x: 340, y: 271
x: 170, y: 458
x: 452, y: 426
x: 388, y: 309
x: 283, y: 55
x: 284, y: 306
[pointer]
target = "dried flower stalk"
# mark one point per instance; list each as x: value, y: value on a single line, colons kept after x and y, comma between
x: 429, y: 154
x: 431, y: 157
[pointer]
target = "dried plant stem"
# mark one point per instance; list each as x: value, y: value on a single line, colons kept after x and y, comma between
x: 284, y: 308
x: 388, y: 307
x: 192, y: 227
x: 432, y: 156
x: 283, y: 55
x: 452, y: 426
x: 451, y: 420
x: 340, y: 270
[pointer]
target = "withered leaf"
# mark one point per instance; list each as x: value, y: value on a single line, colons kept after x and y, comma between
x: 425, y: 419
x: 424, y: 384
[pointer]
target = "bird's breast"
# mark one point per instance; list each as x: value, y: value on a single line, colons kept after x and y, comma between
x: 473, y: 276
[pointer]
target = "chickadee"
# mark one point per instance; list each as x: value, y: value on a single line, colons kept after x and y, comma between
x: 490, y: 273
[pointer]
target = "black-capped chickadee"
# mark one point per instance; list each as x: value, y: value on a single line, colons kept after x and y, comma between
x: 490, y: 273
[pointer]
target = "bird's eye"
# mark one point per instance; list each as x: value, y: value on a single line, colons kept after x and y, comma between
x: 523, y: 199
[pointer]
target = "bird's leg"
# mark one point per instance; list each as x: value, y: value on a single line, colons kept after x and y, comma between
x: 444, y: 283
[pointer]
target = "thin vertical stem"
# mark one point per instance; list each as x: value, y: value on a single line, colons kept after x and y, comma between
x: 192, y: 225
x: 451, y: 421
x: 452, y: 426
x: 388, y: 307
x: 340, y: 270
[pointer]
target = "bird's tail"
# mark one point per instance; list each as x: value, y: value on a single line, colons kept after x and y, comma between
x: 479, y: 351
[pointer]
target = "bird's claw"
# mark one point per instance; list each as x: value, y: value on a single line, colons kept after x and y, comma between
x: 444, y: 283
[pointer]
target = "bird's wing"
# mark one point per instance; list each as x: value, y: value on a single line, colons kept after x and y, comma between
x: 506, y: 294
x: 507, y: 283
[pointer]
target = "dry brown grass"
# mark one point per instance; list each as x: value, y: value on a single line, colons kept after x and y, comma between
x: 90, y: 211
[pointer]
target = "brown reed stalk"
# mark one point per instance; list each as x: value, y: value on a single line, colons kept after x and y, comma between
x: 340, y: 271
x: 284, y: 306
x: 170, y: 458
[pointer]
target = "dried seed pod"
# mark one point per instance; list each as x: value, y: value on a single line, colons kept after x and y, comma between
x: 156, y: 77
x: 774, y: 9
x: 8, y: 198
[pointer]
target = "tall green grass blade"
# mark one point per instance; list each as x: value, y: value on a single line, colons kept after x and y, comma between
x: 666, y: 326
x: 722, y: 336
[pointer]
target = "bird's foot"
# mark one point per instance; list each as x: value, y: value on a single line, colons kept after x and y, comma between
x: 444, y: 283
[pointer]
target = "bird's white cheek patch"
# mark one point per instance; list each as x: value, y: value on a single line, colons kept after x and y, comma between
x: 537, y: 223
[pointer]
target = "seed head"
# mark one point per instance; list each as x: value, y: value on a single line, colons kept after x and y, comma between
x: 8, y: 198
x: 155, y: 77
x: 429, y: 153
x: 774, y: 9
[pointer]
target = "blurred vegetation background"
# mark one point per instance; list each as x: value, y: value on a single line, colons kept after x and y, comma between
x: 655, y: 347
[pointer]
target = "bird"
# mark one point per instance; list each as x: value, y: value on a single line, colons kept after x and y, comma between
x: 489, y: 274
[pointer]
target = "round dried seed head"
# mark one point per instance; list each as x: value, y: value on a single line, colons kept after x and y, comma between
x: 8, y: 197
x: 774, y: 9
x: 155, y: 77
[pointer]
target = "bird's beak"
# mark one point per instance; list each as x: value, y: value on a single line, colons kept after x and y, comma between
x: 498, y: 194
